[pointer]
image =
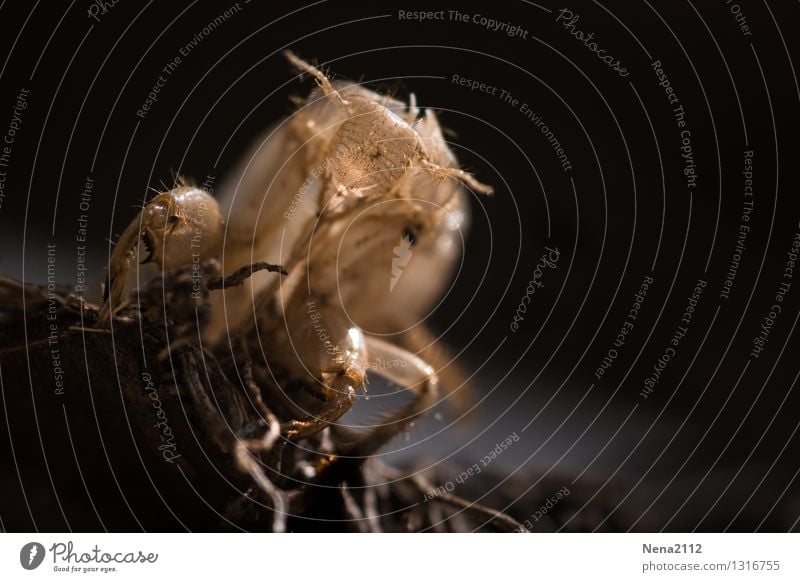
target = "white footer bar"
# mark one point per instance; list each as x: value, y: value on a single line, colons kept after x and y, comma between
x: 401, y: 557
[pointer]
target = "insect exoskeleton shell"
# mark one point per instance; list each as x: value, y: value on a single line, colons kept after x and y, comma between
x: 175, y: 229
x: 180, y: 226
x: 342, y: 194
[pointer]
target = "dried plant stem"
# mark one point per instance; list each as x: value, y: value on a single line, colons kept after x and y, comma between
x: 475, y: 508
x: 240, y: 275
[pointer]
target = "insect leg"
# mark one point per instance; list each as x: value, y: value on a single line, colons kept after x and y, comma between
x: 416, y: 375
x: 454, y: 384
x: 122, y: 261
x: 323, y: 81
x: 338, y: 397
x: 465, y: 177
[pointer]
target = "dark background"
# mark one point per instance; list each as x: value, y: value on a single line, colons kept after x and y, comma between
x: 715, y: 446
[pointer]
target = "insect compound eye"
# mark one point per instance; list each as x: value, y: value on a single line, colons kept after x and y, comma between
x: 410, y: 233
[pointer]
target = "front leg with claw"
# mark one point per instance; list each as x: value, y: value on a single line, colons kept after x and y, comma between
x: 322, y: 352
x: 338, y: 397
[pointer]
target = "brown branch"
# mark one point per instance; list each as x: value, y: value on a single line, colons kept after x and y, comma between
x: 476, y: 508
x: 240, y: 275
